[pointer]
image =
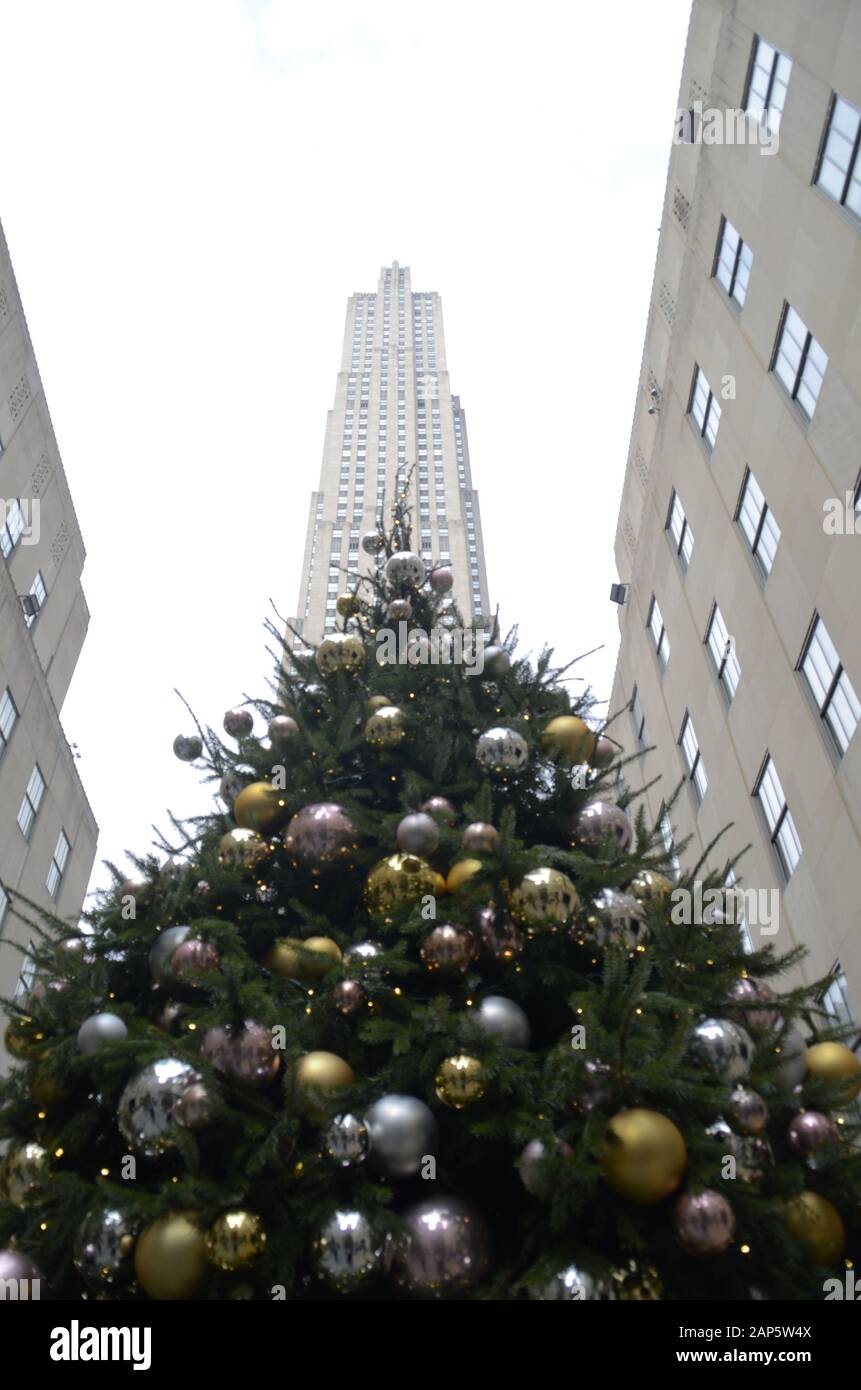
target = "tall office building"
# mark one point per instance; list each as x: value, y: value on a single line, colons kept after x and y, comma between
x: 739, y: 531
x: 47, y: 831
x: 394, y: 418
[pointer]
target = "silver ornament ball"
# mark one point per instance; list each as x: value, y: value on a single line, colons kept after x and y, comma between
x: 161, y: 953
x: 503, y: 1019
x: 346, y: 1140
x: 418, y: 834
x: 405, y: 569
x: 502, y: 750
x: 187, y: 747
x: 574, y: 1285
x: 348, y: 1250
x: 402, y: 1133
x: 147, y: 1107
x: 105, y: 1245
x: 724, y: 1047
x: 100, y: 1030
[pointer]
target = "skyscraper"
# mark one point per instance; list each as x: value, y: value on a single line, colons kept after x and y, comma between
x: 739, y: 533
x: 394, y: 419
x: 47, y: 831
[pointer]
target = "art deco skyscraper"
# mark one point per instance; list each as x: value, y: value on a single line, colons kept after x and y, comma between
x: 394, y: 418
x: 739, y: 531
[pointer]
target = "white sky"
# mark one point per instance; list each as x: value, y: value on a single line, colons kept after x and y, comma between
x: 191, y: 189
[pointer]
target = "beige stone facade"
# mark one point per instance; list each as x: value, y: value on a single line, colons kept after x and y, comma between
x: 47, y: 830
x: 757, y: 320
x: 394, y: 415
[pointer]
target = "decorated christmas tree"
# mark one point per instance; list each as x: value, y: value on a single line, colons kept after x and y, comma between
x: 420, y: 1012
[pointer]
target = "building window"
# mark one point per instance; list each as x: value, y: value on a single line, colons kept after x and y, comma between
x: 837, y: 1001
x: 722, y: 648
x: 704, y: 409
x: 799, y: 361
x: 31, y: 803
x: 839, y: 171
x: 733, y: 262
x: 756, y: 520
x: 655, y: 625
x: 829, y: 685
x: 693, y: 760
x: 677, y: 525
x: 639, y: 720
x: 668, y: 842
x: 767, y: 84
x: 58, y: 865
x: 8, y: 715
x: 781, y: 826
x: 11, y: 528
x: 39, y: 593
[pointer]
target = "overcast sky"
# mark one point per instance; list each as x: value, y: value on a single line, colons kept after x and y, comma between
x: 191, y: 189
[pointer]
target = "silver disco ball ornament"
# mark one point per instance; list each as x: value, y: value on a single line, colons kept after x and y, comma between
x: 751, y: 1152
x: 502, y: 750
x: 601, y: 820
x: 346, y: 1140
x: 616, y: 919
x: 372, y: 543
x: 405, y: 569
x: 106, y: 1242
x: 724, y: 1047
x: 443, y: 1247
x: 348, y: 1250
x: 574, y: 1285
x: 146, y: 1114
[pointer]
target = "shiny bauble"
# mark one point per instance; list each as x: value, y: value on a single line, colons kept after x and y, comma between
x: 258, y: 807
x: 399, y: 610
x: 502, y: 751
x: 503, y: 1019
x: 817, y: 1224
x: 479, y: 838
x: 532, y: 1168
x: 443, y: 1247
x: 440, y: 807
x: 386, y: 728
x: 835, y: 1062
x: 243, y: 847
x: 24, y: 1038
x: 602, y: 820
x: 637, y: 1283
x: 377, y: 702
x: 147, y: 1108
x: 442, y: 579
x: 595, y: 1088
x: 100, y: 1030
x: 170, y: 1257
x: 645, y: 1156
x: 238, y: 723
x: 811, y: 1133
x: 349, y: 996
x: 460, y: 1081
x: 570, y: 738
x: 24, y: 1170
x: 499, y: 936
x: 405, y: 570
x: 544, y: 901
x: 195, y: 1107
x: 346, y: 1140
x: 348, y: 1250
x: 616, y: 919
x: 245, y: 1055
x: 315, y: 1078
x: 703, y: 1223
x: 747, y: 1111
x: 79, y: 948
x: 283, y: 731
x: 346, y: 605
x: 193, y: 957
x: 791, y: 1049
x: 187, y: 747
x: 161, y: 954
x: 417, y: 834
x: 16, y: 1268
x: 574, y: 1285
x: 235, y: 1239
x: 752, y: 998
x: 312, y: 700
x: 461, y: 872
x: 751, y: 1153
x: 320, y: 836
x: 649, y: 887
x: 603, y: 753
x: 373, y: 543
x: 340, y: 651
x: 397, y: 884
x: 402, y: 1133
x: 724, y: 1047
x: 364, y: 956
x: 230, y: 786
x: 307, y: 960
x: 105, y: 1245
x: 450, y: 950
x: 497, y: 661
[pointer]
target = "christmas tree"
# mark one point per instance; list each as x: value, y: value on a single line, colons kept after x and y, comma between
x: 420, y: 1013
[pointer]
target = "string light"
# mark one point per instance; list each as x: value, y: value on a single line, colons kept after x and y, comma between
x: 58, y: 1153
x: 105, y: 1172
x: 745, y: 1249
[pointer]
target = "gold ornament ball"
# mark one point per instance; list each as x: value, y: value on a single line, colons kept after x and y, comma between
x: 322, y: 1071
x: 47, y: 1088
x: 378, y: 702
x: 648, y: 886
x: 398, y: 883
x: 236, y: 1239
x: 545, y: 898
x: 645, y: 1156
x: 347, y: 605
x: 258, y: 807
x: 834, y: 1061
x: 818, y: 1225
x: 23, y: 1171
x: 566, y: 736
x: 24, y: 1038
x: 460, y: 1080
x: 461, y: 872
x: 340, y: 651
x: 244, y: 847
x: 170, y: 1257
x: 307, y: 960
x: 386, y: 727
